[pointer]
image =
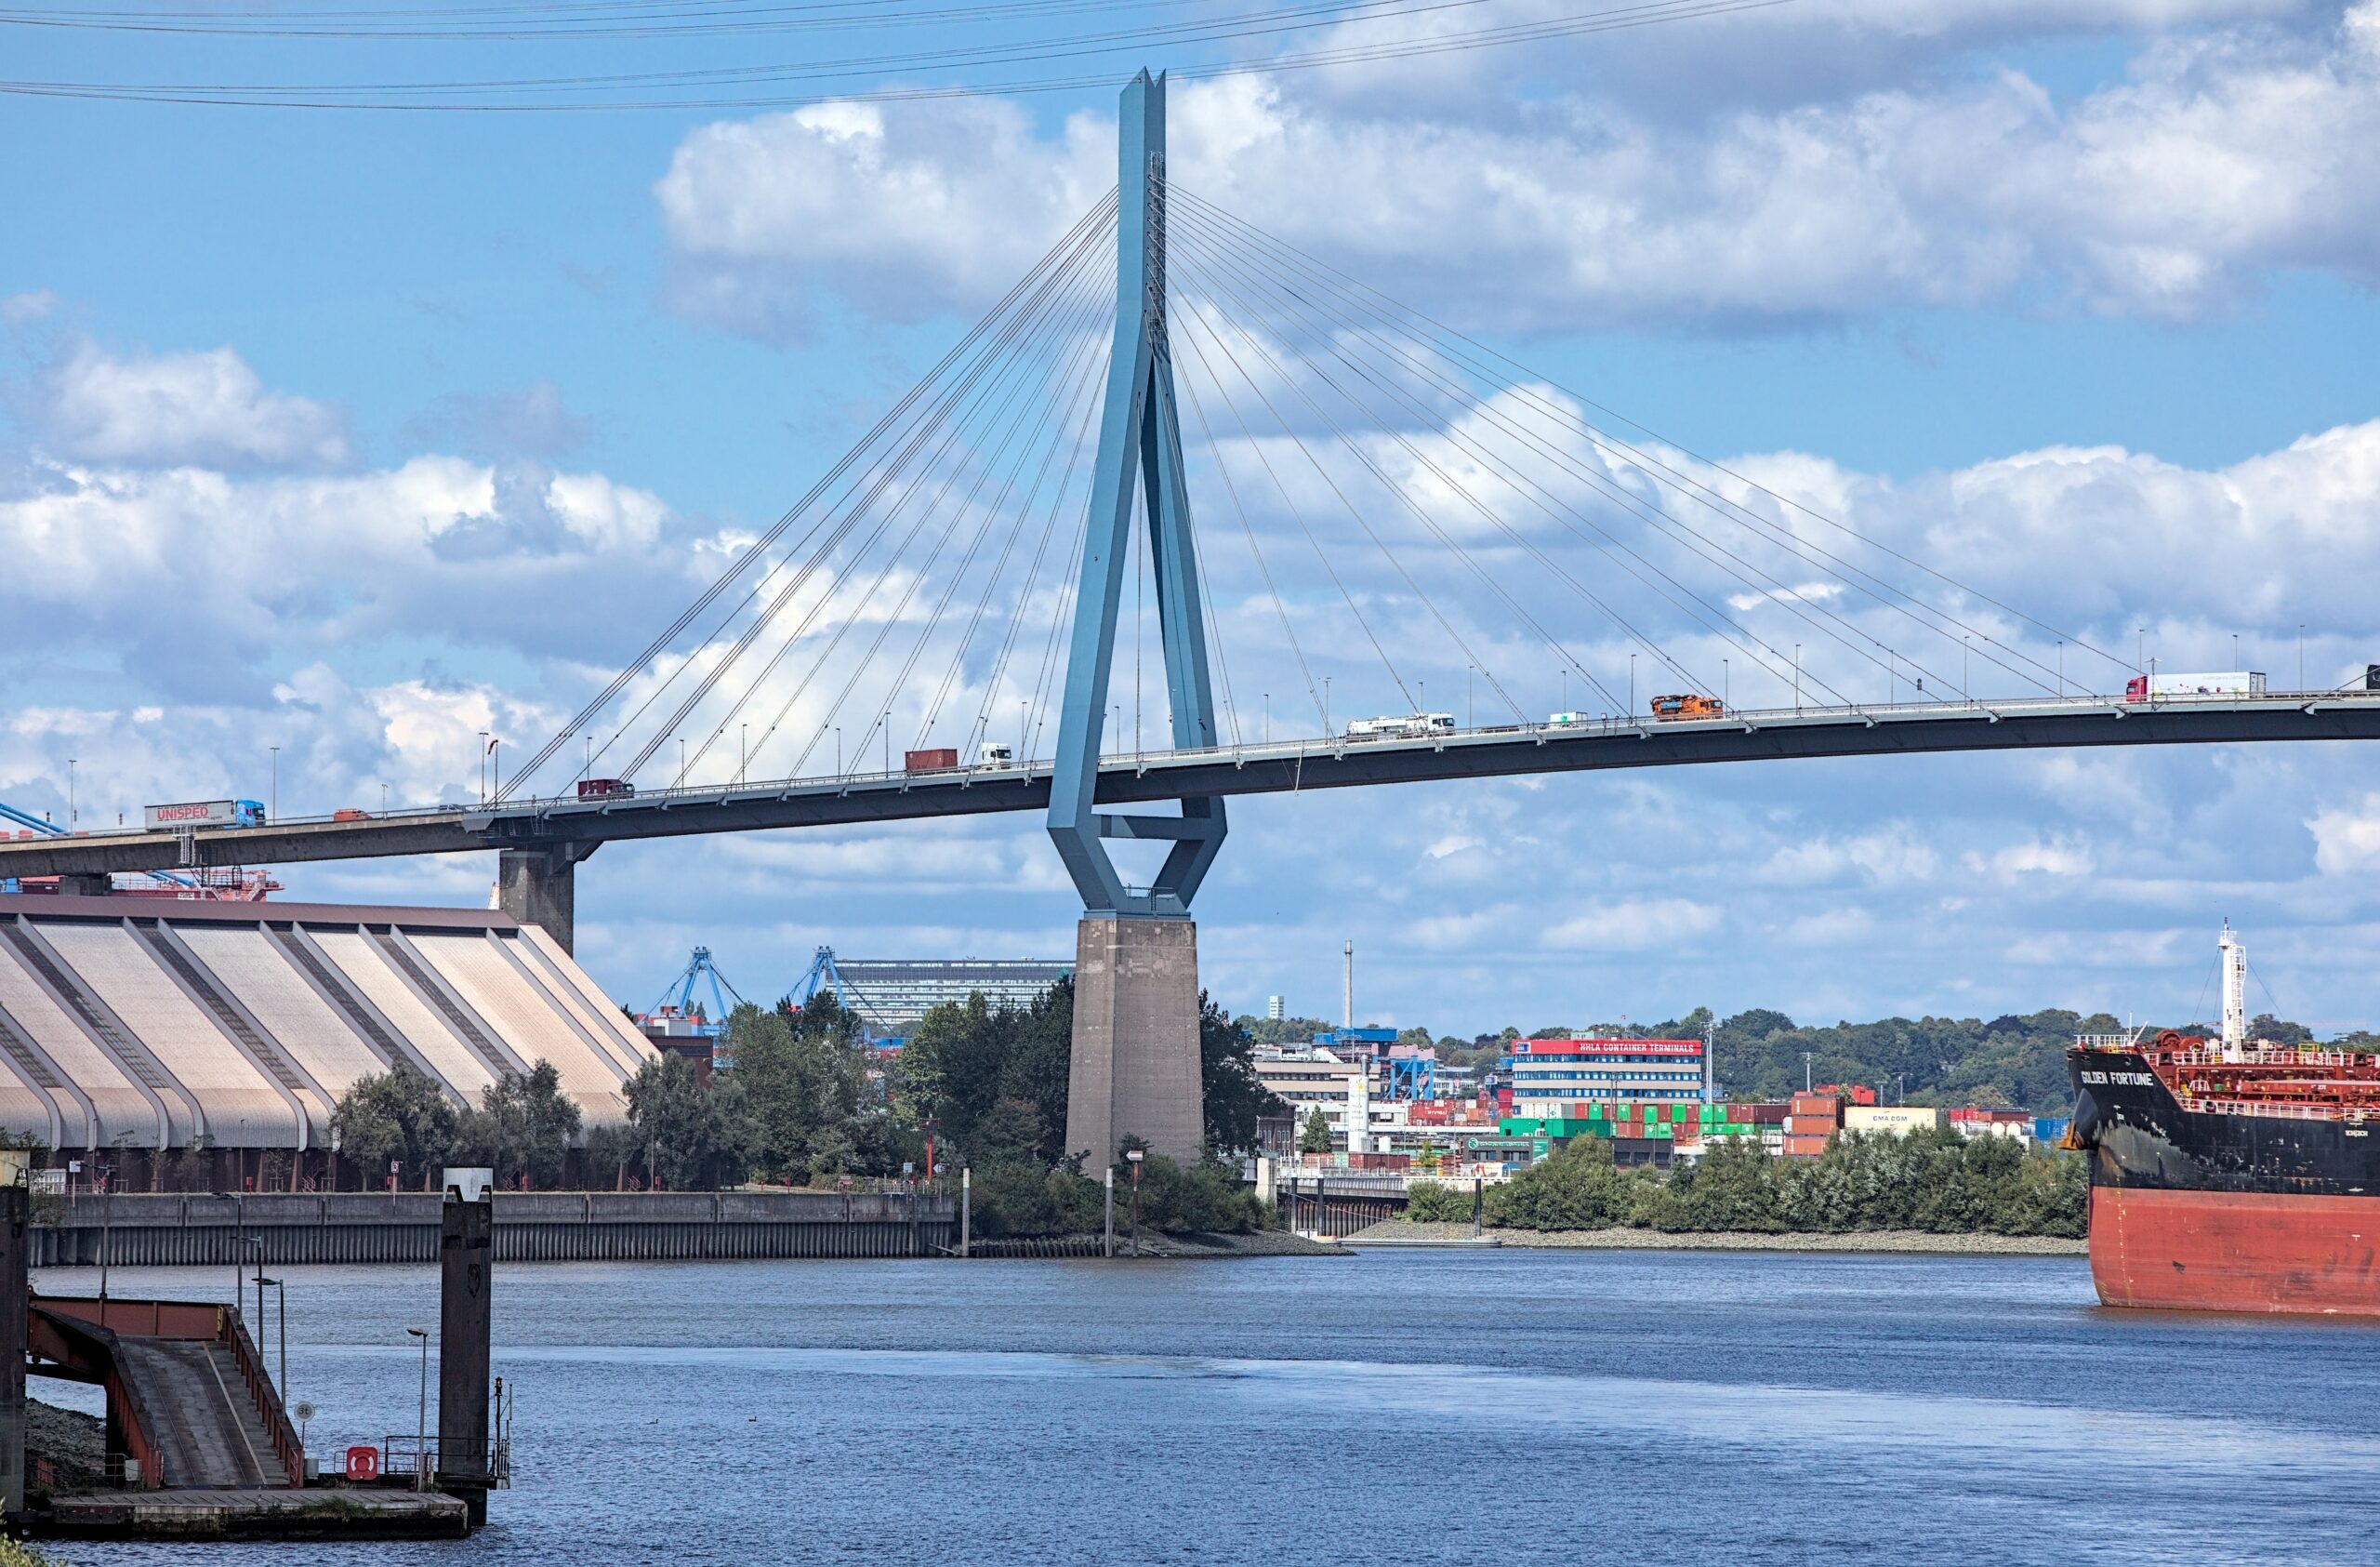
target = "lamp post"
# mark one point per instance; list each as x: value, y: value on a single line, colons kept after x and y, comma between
x: 275, y: 795
x: 421, y: 1420
x: 71, y: 813
x: 1134, y: 1155
x: 482, y: 767
x: 281, y: 1306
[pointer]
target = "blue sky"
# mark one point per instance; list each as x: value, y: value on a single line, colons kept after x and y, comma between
x: 2073, y: 300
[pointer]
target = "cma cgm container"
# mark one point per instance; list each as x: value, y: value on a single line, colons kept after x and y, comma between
x: 204, y: 813
x: 1898, y: 1120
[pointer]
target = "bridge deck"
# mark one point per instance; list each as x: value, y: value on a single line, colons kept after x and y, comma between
x: 1284, y: 766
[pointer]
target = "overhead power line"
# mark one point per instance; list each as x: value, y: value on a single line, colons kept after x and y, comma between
x: 799, y: 83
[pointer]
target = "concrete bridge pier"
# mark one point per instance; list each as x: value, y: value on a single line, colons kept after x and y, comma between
x: 537, y: 886
x: 1135, y: 1068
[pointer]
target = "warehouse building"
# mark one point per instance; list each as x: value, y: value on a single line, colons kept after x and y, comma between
x: 153, y: 1026
x: 891, y: 994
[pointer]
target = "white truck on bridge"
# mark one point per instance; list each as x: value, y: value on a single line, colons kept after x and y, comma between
x: 1401, y: 726
x: 2159, y: 687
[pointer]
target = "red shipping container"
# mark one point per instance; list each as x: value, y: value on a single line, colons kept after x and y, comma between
x: 928, y: 760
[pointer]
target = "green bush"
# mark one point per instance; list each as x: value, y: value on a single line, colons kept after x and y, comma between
x: 1937, y: 1180
x: 1435, y: 1203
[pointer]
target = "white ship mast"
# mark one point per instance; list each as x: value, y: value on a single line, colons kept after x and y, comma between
x: 2235, y: 994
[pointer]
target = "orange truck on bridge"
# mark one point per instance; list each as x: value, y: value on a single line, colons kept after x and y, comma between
x: 1688, y: 706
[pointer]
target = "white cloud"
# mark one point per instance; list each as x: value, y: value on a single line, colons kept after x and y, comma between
x: 1634, y: 926
x: 2346, y: 838
x: 158, y: 411
x: 2224, y: 157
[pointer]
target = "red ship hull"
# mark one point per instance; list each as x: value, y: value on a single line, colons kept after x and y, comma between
x: 2236, y: 1251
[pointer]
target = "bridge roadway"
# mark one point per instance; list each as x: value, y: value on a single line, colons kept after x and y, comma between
x: 1280, y: 768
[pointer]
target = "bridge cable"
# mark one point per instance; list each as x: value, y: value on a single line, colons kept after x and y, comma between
x: 1030, y: 320
x: 1069, y: 418
x: 758, y: 548
x: 1086, y: 304
x: 1453, y: 433
x: 1339, y: 435
x: 1074, y: 379
x: 1197, y: 322
x: 1334, y: 334
x: 936, y: 419
x: 1223, y: 469
x: 1084, y: 430
x: 982, y: 397
x: 1686, y: 484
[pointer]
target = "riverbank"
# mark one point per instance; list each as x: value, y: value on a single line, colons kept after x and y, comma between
x: 1625, y: 1239
x: 1258, y: 1243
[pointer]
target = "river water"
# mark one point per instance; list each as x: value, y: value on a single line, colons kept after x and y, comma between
x: 1506, y: 1408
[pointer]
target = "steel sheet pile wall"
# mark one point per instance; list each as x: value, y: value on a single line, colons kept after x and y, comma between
x: 147, y: 1229
x: 146, y: 1026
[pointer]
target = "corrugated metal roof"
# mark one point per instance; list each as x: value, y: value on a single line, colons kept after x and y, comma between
x: 152, y: 1022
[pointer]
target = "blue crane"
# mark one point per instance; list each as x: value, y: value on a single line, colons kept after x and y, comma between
x: 678, y: 1001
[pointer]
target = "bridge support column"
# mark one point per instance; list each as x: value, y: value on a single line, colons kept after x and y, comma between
x: 1135, y: 1069
x: 466, y: 1321
x: 540, y: 888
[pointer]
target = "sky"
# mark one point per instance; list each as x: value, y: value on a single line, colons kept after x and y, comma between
x: 330, y: 438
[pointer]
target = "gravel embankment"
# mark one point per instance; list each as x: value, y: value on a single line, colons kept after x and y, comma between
x: 75, y: 1443
x: 1914, y: 1241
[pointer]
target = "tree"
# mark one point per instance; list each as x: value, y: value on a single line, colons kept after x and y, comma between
x: 689, y: 1135
x: 398, y: 1115
x: 1315, y: 1136
x: 805, y: 1077
x: 524, y: 1126
x: 1577, y: 1188
x: 1235, y: 1099
x: 994, y: 1080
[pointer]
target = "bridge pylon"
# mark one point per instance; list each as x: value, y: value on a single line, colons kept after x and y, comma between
x: 1135, y: 1065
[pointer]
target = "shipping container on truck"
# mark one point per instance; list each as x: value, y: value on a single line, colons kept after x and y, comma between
x: 204, y: 813
x: 2161, y: 687
x: 605, y: 789
x: 940, y: 759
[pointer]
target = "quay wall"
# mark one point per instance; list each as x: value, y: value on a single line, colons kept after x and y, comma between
x: 148, y: 1229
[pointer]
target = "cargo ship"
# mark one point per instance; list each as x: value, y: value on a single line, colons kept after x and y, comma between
x: 2231, y: 1174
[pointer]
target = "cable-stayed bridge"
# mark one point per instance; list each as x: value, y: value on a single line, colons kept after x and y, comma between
x: 1000, y: 585
x: 1258, y: 767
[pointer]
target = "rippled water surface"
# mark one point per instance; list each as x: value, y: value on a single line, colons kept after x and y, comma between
x: 1504, y: 1408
